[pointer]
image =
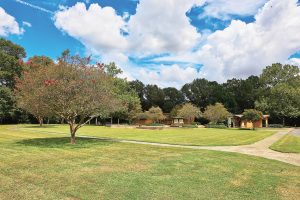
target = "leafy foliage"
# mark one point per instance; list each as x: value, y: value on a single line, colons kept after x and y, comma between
x: 216, y: 113
x: 281, y: 91
x: 155, y: 114
x: 189, y: 112
x: 252, y: 115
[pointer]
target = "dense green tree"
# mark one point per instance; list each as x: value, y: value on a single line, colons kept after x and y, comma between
x: 11, y: 66
x: 139, y: 87
x: 154, y: 97
x: 278, y: 73
x: 241, y: 94
x: 173, y: 97
x: 202, y: 92
x: 216, y: 113
x: 280, y: 94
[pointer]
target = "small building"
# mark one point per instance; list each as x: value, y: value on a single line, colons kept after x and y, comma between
x: 177, y: 121
x: 169, y: 120
x: 237, y: 121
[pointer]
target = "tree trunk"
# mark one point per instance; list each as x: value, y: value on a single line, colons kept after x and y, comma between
x: 62, y: 121
x: 72, y: 131
x: 118, y: 121
x: 96, y: 121
x: 283, y: 121
x: 40, y: 119
x: 111, y: 121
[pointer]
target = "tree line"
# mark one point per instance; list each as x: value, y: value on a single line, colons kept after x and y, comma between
x: 276, y: 91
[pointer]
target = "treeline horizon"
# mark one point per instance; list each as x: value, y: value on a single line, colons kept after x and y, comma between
x: 274, y: 92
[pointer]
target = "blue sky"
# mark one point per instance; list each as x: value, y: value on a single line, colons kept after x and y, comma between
x: 164, y: 42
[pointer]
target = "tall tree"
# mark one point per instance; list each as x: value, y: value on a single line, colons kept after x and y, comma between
x: 77, y: 92
x: 241, y: 94
x: 202, y: 92
x: 154, y: 96
x: 280, y: 95
x: 216, y: 113
x: 189, y: 112
x: 11, y: 66
x: 139, y: 87
x: 173, y: 97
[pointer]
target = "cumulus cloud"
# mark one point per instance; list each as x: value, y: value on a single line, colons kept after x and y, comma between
x: 166, y: 76
x: 224, y: 8
x: 162, y: 26
x: 97, y: 28
x: 244, y: 49
x: 8, y: 24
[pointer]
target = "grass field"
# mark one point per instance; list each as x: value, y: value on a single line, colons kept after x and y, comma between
x: 45, y: 166
x: 287, y: 144
x: 187, y: 136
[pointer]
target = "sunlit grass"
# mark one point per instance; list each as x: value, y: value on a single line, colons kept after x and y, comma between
x: 185, y: 136
x: 36, y: 165
x: 287, y: 144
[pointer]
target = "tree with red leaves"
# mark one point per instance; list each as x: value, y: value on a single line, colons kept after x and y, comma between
x: 74, y: 90
x: 30, y: 88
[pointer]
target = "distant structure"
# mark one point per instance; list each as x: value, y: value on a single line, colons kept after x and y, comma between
x: 237, y: 121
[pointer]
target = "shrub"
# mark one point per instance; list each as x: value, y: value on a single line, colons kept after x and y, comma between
x: 189, y: 126
x: 155, y: 124
x: 275, y: 126
x: 222, y: 126
x: 194, y: 123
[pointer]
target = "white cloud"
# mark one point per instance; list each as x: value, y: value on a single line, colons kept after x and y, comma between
x: 99, y: 29
x: 8, y: 24
x: 162, y: 26
x: 224, y: 8
x: 27, y: 24
x: 245, y: 49
x: 166, y: 76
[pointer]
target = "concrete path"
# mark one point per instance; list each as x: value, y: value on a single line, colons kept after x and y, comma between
x: 296, y: 132
x: 260, y: 148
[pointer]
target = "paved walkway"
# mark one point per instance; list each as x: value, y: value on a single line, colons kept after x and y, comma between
x: 260, y: 148
x: 296, y: 132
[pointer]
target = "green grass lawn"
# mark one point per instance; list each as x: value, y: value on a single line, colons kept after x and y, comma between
x: 287, y: 144
x: 185, y: 136
x: 45, y: 166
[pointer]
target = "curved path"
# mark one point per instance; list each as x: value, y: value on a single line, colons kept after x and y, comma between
x: 260, y: 148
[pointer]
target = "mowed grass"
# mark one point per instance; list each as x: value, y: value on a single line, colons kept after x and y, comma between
x: 45, y: 166
x: 288, y: 144
x: 185, y: 136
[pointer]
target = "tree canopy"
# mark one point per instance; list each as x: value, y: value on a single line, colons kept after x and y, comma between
x: 216, y: 113
x: 189, y: 112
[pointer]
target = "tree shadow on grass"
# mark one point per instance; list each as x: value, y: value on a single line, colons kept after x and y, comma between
x: 64, y: 142
x: 41, y: 127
